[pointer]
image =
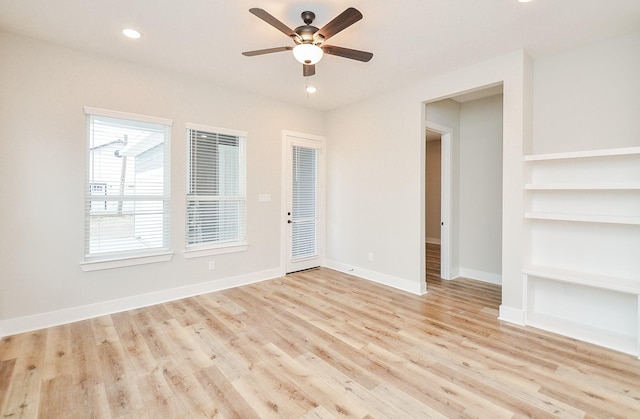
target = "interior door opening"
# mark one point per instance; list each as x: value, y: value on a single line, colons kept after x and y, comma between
x: 438, y: 208
x: 471, y: 184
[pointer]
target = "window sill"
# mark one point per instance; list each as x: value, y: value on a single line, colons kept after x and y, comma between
x: 212, y: 251
x: 98, y: 265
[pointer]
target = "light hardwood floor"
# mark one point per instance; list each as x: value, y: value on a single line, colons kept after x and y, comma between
x: 432, y: 255
x: 314, y: 344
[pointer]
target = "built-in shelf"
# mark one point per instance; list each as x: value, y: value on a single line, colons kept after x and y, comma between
x: 612, y: 283
x: 584, y: 154
x: 585, y: 218
x: 600, y: 187
x: 631, y: 186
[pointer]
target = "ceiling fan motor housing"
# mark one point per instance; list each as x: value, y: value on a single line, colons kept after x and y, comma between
x: 308, y: 17
x: 306, y: 33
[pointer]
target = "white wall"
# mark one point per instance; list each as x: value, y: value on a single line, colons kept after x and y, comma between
x: 373, y: 173
x: 588, y: 98
x: 480, y: 189
x: 376, y: 185
x: 42, y: 150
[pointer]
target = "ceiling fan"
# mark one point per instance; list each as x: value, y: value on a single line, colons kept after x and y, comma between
x: 309, y: 40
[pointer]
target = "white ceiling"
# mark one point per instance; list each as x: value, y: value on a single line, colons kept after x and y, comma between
x: 410, y: 39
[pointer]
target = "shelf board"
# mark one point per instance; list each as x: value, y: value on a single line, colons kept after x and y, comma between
x: 587, y: 218
x: 616, y: 341
x: 584, y: 154
x: 582, y: 186
x: 612, y: 283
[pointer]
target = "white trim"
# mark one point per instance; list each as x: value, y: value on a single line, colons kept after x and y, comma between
x: 98, y: 265
x: 586, y: 279
x: 212, y: 251
x: 58, y: 317
x: 283, y: 203
x: 126, y: 115
x: 312, y: 141
x: 302, y: 136
x: 215, y: 130
x: 616, y: 341
x: 584, y: 154
x: 489, y: 277
x: 586, y: 218
x: 378, y: 277
x: 511, y: 315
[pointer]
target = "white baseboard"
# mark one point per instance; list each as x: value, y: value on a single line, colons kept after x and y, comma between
x: 432, y: 240
x: 54, y: 318
x: 380, y: 278
x: 511, y: 315
x: 489, y: 277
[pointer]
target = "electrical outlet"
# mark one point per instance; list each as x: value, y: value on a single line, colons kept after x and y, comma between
x: 212, y: 265
x: 370, y: 257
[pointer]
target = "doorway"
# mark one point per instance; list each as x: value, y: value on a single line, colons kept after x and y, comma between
x: 438, y: 205
x: 471, y: 226
x: 303, y: 201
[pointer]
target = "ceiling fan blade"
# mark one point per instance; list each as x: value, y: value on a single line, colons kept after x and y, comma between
x: 264, y: 15
x: 353, y: 54
x: 265, y: 51
x: 308, y: 70
x: 340, y: 22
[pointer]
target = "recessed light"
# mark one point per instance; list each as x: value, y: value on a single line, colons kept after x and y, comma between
x: 311, y: 89
x: 131, y: 33
x: 524, y: 1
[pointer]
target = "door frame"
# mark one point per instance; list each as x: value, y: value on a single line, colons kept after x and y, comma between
x: 285, y: 190
x: 446, y: 180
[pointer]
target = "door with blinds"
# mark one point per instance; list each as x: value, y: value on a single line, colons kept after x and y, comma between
x: 304, y: 206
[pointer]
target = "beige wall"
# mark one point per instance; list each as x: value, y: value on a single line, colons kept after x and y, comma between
x: 432, y: 193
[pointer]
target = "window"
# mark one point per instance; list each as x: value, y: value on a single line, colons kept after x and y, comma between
x: 216, y: 198
x: 127, y: 192
x: 304, y: 203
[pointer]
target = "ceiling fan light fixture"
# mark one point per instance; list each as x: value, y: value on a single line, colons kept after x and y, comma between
x: 308, y: 53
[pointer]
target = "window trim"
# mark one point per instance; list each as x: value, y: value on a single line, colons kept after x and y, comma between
x: 88, y: 110
x: 101, y: 264
x: 210, y: 250
x: 131, y: 257
x: 214, y: 248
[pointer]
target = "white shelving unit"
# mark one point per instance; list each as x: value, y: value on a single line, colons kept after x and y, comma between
x: 582, y: 277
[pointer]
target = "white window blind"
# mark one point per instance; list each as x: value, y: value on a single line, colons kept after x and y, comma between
x: 304, y: 208
x: 127, y: 192
x: 216, y: 197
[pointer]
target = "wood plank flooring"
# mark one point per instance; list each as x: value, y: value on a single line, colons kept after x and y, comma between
x: 315, y: 344
x: 432, y: 260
